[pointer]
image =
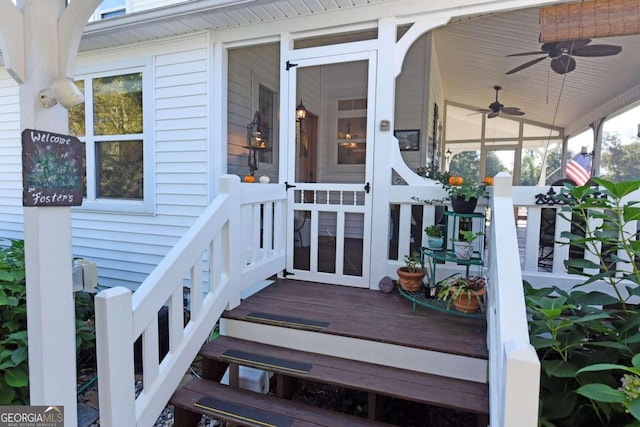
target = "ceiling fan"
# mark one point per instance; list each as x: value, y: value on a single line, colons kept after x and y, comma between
x: 562, y: 54
x: 496, y: 108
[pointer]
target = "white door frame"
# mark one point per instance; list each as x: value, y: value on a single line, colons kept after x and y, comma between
x: 345, y: 198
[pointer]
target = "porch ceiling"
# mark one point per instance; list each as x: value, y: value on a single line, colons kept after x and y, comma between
x: 472, y: 56
x: 471, y: 53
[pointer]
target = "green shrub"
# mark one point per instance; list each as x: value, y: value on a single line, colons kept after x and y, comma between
x: 586, y: 340
x: 14, y: 367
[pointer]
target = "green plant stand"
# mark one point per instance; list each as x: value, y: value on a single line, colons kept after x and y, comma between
x: 432, y: 257
x: 419, y: 298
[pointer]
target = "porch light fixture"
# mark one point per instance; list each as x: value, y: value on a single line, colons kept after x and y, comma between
x: 301, y: 112
x: 63, y: 91
x: 257, y: 140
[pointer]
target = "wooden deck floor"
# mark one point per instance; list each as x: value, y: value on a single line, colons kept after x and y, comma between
x: 370, y: 315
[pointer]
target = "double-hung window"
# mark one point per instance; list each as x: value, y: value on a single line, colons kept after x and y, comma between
x: 111, y: 124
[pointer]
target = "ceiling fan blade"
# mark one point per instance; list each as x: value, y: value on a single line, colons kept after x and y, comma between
x: 572, y: 45
x: 538, y: 52
x: 492, y: 114
x: 597, y: 50
x: 512, y: 111
x: 563, y: 64
x: 526, y: 64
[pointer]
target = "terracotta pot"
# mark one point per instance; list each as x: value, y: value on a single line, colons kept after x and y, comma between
x: 408, y: 281
x: 468, y: 303
x: 459, y: 205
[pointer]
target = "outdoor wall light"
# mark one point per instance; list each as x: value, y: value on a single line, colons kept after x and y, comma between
x: 257, y: 140
x: 301, y: 112
x: 63, y: 91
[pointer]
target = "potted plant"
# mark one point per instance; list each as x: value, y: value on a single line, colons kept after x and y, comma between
x: 435, y: 236
x: 465, y: 292
x: 463, y: 193
x: 463, y: 247
x: 410, y: 276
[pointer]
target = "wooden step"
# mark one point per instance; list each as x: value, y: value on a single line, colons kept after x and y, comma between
x: 418, y: 387
x: 203, y: 397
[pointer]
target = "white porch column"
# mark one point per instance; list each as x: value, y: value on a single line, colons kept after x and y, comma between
x: 384, y: 110
x: 39, y: 41
x: 47, y: 230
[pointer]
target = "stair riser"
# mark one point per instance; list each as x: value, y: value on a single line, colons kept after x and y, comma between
x: 447, y: 365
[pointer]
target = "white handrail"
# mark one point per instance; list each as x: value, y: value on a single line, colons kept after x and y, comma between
x: 213, y: 262
x: 514, y: 368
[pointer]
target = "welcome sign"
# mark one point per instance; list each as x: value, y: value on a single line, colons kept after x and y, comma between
x: 52, y: 169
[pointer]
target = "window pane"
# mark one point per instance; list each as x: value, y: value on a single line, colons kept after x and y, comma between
x: 498, y: 127
x: 462, y: 123
x: 621, y: 147
x: 530, y: 130
x: 533, y: 153
x: 117, y: 103
x: 352, y: 153
x: 119, y: 165
x: 466, y: 164
x: 76, y: 115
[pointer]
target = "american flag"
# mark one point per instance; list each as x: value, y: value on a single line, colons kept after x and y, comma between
x: 579, y: 169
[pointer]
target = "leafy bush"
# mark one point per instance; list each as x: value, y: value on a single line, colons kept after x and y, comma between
x: 584, y: 339
x: 14, y: 377
x: 14, y: 367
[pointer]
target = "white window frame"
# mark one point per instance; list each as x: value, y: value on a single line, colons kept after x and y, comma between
x: 91, y: 202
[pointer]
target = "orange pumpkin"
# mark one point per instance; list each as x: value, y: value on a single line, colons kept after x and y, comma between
x: 249, y: 178
x: 455, y: 180
x: 488, y: 180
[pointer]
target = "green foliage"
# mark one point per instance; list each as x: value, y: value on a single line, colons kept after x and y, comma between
x: 469, y: 236
x: 413, y: 262
x: 456, y: 287
x: 14, y: 368
x: 14, y: 377
x: 433, y: 231
x: 620, y: 160
x: 602, y: 217
x: 470, y: 187
x: 589, y: 342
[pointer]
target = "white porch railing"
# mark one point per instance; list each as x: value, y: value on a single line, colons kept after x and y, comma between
x: 217, y: 267
x: 514, y: 368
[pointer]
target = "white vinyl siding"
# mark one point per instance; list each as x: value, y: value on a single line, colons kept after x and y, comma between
x: 10, y: 160
x: 413, y: 103
x: 127, y: 247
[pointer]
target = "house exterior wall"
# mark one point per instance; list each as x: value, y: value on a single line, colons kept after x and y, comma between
x: 127, y: 246
x: 10, y: 159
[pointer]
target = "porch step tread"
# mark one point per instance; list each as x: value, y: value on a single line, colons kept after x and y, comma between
x: 248, y: 408
x: 389, y: 381
x: 368, y: 315
x: 288, y: 321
